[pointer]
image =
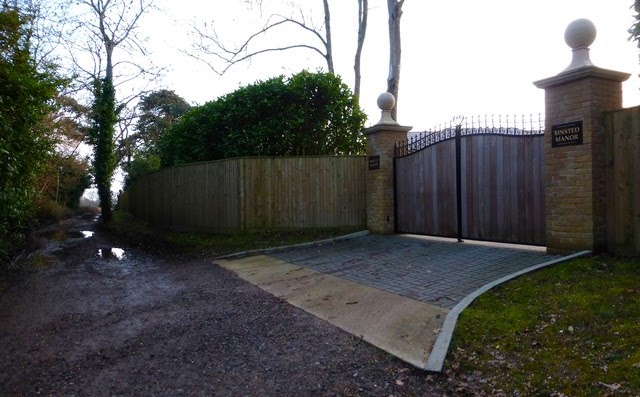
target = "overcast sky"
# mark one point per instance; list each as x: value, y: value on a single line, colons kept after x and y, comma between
x: 465, y: 57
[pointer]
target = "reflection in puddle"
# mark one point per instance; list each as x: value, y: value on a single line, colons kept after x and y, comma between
x: 87, y: 233
x: 115, y: 253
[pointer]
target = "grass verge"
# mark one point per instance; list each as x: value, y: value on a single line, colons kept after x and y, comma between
x: 568, y: 330
x: 212, y: 245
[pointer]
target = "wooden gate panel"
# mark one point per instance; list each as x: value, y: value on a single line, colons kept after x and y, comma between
x: 425, y: 185
x: 502, y: 189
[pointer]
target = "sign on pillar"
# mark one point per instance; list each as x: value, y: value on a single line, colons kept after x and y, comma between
x: 575, y: 150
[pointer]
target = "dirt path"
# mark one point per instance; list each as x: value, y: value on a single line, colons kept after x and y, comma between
x: 108, y: 319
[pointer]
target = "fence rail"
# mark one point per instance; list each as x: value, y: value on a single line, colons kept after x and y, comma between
x: 476, y: 125
x: 245, y: 194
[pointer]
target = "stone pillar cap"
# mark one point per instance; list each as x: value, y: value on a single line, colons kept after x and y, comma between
x: 579, y: 35
x: 386, y: 102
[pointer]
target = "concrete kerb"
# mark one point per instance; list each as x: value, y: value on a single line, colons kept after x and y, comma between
x: 267, y: 251
x: 441, y: 344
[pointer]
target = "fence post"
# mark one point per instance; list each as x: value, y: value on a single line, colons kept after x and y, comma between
x: 459, y: 180
x: 575, y: 152
x: 381, y: 139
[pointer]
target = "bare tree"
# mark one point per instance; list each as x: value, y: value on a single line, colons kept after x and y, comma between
x: 363, y: 12
x: 210, y: 44
x: 100, y: 39
x: 93, y: 31
x: 395, y: 51
x: 38, y: 13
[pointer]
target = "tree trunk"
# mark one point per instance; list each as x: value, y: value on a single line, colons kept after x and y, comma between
x: 329, y: 46
x: 395, y: 51
x: 363, y: 12
x: 103, y: 152
x: 105, y: 120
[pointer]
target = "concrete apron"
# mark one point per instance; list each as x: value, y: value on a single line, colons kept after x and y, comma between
x: 403, y: 327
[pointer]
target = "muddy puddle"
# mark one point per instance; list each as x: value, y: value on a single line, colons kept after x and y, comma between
x: 111, y: 253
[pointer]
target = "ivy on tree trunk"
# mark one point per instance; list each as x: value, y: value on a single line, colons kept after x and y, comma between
x: 102, y: 137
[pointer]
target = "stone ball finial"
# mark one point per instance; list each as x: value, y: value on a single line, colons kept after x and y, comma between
x: 579, y: 35
x: 386, y: 102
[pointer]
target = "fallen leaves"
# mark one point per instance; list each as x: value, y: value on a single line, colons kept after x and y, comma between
x: 612, y: 387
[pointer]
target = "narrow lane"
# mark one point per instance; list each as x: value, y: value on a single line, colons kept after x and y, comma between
x: 103, y: 318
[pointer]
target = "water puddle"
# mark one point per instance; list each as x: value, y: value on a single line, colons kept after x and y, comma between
x: 61, y: 235
x: 113, y: 253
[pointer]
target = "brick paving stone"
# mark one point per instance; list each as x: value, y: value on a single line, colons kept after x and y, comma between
x: 440, y: 273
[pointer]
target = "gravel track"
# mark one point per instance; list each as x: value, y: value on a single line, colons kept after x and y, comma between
x: 129, y: 321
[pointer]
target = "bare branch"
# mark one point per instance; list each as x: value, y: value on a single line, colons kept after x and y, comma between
x: 210, y: 45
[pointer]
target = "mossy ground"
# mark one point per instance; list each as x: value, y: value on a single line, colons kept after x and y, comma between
x: 572, y: 329
x: 213, y: 244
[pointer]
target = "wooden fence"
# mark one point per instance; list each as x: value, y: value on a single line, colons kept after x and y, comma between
x: 245, y: 194
x: 623, y: 181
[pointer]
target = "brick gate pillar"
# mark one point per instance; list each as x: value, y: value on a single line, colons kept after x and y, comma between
x: 381, y: 139
x: 575, y: 186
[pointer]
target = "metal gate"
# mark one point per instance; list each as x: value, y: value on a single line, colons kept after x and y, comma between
x: 481, y: 183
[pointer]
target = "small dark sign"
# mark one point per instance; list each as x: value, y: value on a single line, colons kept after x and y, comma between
x: 374, y: 162
x: 566, y: 134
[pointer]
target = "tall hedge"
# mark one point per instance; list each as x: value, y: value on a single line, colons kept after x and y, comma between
x: 305, y: 114
x: 26, y: 98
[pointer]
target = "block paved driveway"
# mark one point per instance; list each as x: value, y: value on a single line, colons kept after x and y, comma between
x: 434, y: 271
